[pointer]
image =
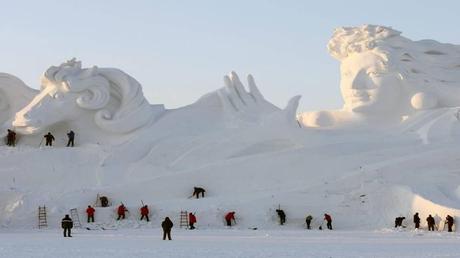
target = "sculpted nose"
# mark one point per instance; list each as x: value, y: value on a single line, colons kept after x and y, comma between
x: 358, y: 82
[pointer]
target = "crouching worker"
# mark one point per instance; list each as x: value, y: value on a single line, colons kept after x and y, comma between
x: 191, y: 220
x: 167, y: 226
x: 282, y: 216
x: 229, y: 217
x: 197, y: 191
x: 67, y: 224
x: 399, y: 221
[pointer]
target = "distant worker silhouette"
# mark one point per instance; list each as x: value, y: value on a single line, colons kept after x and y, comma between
x: 49, y: 139
x: 197, y: 191
x: 71, y: 136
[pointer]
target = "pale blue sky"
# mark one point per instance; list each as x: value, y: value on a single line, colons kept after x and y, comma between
x: 179, y: 50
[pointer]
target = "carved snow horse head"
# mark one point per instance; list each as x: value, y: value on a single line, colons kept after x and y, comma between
x: 69, y: 92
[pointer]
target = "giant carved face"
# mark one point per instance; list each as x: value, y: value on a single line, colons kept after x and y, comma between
x: 369, y: 85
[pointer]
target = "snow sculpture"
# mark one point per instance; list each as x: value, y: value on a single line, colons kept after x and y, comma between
x: 249, y: 106
x: 385, y: 76
x: 106, y: 97
x: 14, y: 95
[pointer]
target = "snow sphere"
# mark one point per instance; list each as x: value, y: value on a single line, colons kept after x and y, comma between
x: 423, y: 100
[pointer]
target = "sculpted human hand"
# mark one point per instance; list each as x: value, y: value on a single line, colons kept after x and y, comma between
x: 251, y: 105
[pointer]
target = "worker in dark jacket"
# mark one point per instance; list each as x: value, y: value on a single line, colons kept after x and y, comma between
x: 71, y: 136
x: 282, y: 216
x: 67, y: 224
x: 167, y: 226
x: 449, y: 222
x: 398, y: 221
x: 11, y: 138
x: 197, y: 191
x: 416, y: 220
x: 430, y: 222
x: 308, y: 220
x: 49, y: 138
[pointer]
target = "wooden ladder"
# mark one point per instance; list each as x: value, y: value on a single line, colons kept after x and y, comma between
x: 42, y: 223
x: 184, y: 219
x: 75, y: 218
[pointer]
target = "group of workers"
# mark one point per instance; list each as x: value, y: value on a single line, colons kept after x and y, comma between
x: 49, y: 138
x: 308, y: 219
x: 229, y: 217
x: 430, y: 222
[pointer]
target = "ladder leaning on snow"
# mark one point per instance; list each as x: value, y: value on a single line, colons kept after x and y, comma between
x: 75, y: 218
x: 42, y: 223
x: 183, y: 219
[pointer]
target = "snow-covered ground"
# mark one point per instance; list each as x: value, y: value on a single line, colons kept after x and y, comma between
x: 230, y: 243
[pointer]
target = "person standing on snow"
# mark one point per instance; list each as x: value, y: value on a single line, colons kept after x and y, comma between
x: 191, y: 220
x: 229, y: 217
x: 49, y: 138
x: 11, y: 138
x: 449, y: 222
x: 145, y: 213
x: 328, y: 219
x: 417, y: 220
x: 167, y: 226
x: 121, y: 211
x: 308, y: 220
x: 71, y: 136
x: 282, y: 216
x: 67, y: 224
x: 430, y: 222
x: 90, y: 213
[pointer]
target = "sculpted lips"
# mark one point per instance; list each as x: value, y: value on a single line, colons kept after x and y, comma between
x: 358, y: 96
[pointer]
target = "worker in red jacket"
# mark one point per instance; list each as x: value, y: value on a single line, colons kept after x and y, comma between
x: 191, y: 220
x: 328, y: 219
x: 229, y: 217
x: 145, y: 213
x: 90, y: 212
x: 121, y: 211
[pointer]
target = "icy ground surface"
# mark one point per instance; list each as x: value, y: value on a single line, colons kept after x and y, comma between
x: 229, y: 243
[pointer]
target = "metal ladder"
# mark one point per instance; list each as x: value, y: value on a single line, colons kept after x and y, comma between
x: 42, y: 223
x: 183, y: 219
x: 75, y: 218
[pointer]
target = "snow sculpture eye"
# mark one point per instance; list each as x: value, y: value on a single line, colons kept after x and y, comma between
x: 374, y: 73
